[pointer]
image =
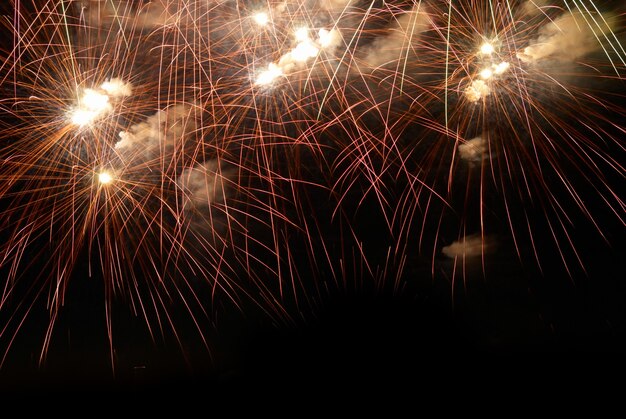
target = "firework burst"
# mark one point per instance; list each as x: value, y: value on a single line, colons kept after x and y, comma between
x: 202, y: 153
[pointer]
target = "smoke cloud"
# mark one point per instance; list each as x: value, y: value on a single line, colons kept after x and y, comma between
x: 206, y: 188
x: 334, y: 6
x: 473, y: 150
x: 533, y: 7
x: 305, y: 49
x: 568, y: 38
x: 158, y: 132
x: 470, y: 246
x: 127, y: 12
x: 204, y: 185
x: 393, y: 45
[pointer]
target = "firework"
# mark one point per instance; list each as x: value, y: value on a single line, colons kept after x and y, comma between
x: 203, y: 153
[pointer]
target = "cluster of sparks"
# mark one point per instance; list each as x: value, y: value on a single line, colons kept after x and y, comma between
x: 186, y: 144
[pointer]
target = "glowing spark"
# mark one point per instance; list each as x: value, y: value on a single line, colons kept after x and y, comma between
x: 105, y: 178
x: 486, y: 73
x: 487, y: 48
x: 496, y: 69
x: 261, y: 18
x: 501, y: 68
x: 95, y: 103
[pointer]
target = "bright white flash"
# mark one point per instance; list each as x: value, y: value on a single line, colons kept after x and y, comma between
x: 487, y: 48
x: 327, y: 38
x: 261, y: 18
x: 268, y: 76
x: 105, y: 178
x: 82, y: 117
x: 495, y: 69
x: 94, y: 101
x: 486, y: 73
x: 501, y: 68
x: 91, y: 105
x: 304, y: 50
x: 302, y: 34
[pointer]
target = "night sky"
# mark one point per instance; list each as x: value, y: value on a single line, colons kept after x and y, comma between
x: 357, y: 312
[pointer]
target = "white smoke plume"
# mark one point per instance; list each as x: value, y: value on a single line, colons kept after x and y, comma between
x: 160, y: 131
x: 117, y: 88
x: 206, y: 189
x: 204, y: 185
x: 131, y: 14
x: 473, y: 150
x: 334, y: 6
x: 568, y: 38
x: 305, y: 49
x: 533, y: 7
x: 470, y: 246
x: 393, y: 45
